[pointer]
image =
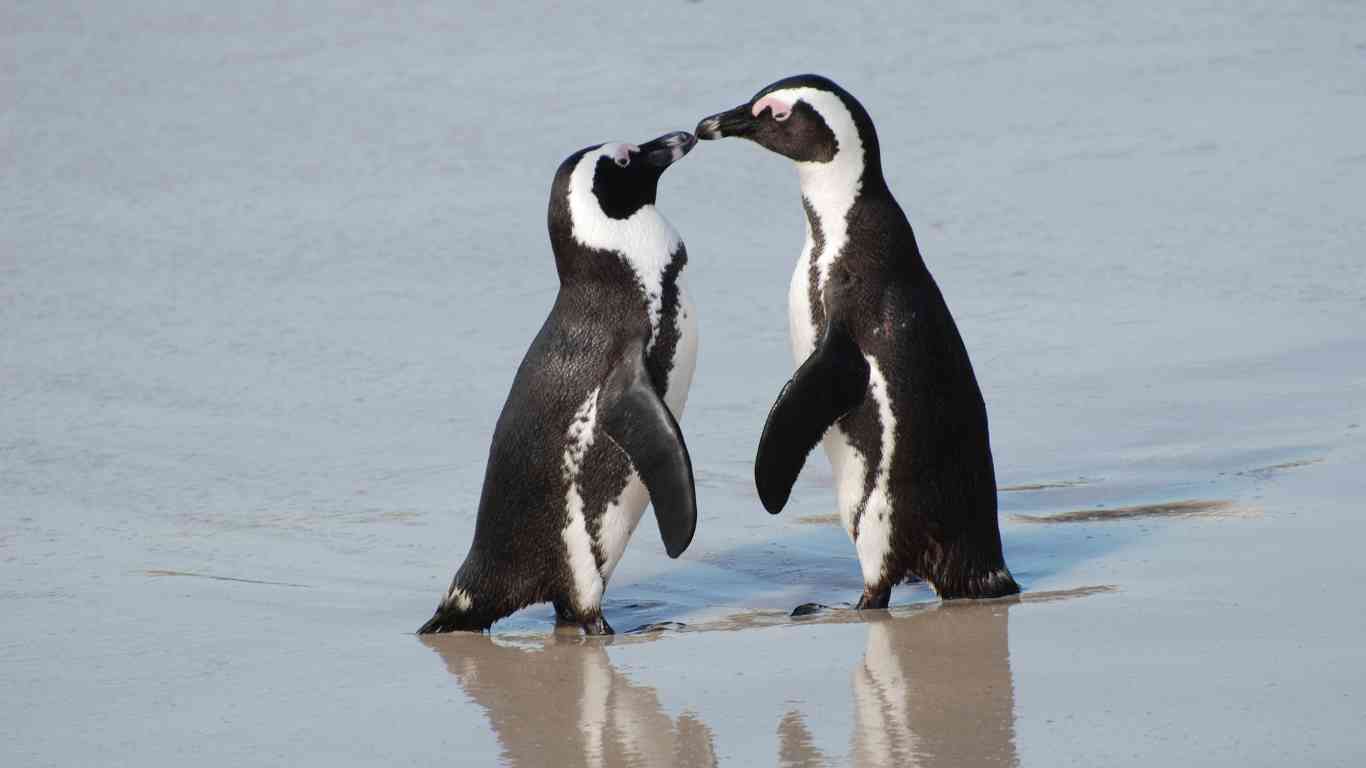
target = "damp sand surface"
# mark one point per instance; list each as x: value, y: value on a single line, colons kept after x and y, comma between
x: 265, y: 277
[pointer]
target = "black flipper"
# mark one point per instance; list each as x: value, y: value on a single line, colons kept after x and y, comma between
x: 828, y: 385
x: 638, y: 421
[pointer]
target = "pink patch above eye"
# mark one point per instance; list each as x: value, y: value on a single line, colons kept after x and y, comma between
x: 782, y: 109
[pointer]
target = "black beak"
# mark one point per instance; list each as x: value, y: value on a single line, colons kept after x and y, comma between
x: 734, y: 122
x: 667, y: 149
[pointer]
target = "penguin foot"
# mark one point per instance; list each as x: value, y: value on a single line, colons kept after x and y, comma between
x: 808, y: 609
x: 594, y: 626
x: 597, y: 626
x: 873, y: 599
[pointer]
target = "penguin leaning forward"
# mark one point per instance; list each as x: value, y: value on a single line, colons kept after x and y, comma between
x: 588, y: 434
x: 884, y: 378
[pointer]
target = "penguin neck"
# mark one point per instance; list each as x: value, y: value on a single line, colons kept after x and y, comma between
x: 638, y: 260
x: 834, y: 196
x: 830, y: 191
x: 644, y: 241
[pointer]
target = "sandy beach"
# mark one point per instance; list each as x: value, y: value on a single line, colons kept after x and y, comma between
x: 266, y: 275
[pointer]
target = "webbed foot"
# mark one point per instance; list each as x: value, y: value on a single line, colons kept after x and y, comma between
x: 566, y: 619
x: 597, y: 626
x: 873, y: 599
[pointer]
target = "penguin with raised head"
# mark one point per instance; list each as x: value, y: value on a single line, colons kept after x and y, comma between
x: 884, y: 378
x: 588, y: 434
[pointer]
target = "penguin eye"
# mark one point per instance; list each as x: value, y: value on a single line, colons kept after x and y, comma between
x: 623, y: 161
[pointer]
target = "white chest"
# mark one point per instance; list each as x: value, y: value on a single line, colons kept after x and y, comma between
x: 815, y: 262
x: 831, y: 200
x: 801, y: 331
x: 828, y: 192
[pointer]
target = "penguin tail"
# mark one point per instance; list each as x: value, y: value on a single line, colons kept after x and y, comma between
x: 456, y: 613
x: 981, y: 585
x: 984, y: 585
x: 995, y: 583
x: 442, y: 621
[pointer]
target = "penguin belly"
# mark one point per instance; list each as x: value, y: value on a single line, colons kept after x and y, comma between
x: 863, y: 498
x: 623, y: 514
x: 801, y: 330
x: 864, y: 502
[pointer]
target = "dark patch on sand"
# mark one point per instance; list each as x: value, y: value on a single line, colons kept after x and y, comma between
x: 159, y: 572
x: 658, y: 626
x: 634, y: 605
x: 1045, y: 486
x: 1262, y: 473
x: 1059, y: 595
x: 1189, y: 508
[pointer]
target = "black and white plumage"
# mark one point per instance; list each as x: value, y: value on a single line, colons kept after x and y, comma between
x: 884, y: 378
x: 588, y: 434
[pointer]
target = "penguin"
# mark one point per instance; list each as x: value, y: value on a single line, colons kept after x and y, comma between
x: 884, y: 378
x: 589, y: 432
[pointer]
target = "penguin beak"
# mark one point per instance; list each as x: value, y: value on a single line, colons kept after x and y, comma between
x: 733, y: 122
x: 667, y: 149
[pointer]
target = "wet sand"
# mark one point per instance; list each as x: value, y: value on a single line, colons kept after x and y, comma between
x: 265, y: 277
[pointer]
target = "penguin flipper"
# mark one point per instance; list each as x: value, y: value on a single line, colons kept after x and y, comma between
x: 831, y: 382
x: 639, y: 422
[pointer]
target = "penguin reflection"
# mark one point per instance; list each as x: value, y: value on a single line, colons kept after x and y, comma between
x: 933, y: 688
x: 561, y: 702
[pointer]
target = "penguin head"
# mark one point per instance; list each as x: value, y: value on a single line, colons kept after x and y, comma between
x: 806, y: 118
x: 603, y: 197
x: 620, y: 178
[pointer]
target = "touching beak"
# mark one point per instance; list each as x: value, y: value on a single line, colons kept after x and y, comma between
x: 734, y: 122
x: 667, y: 149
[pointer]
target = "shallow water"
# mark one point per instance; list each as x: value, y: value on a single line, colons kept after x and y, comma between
x: 265, y: 277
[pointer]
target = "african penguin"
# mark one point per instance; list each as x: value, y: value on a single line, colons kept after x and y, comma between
x: 884, y: 377
x: 588, y: 434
